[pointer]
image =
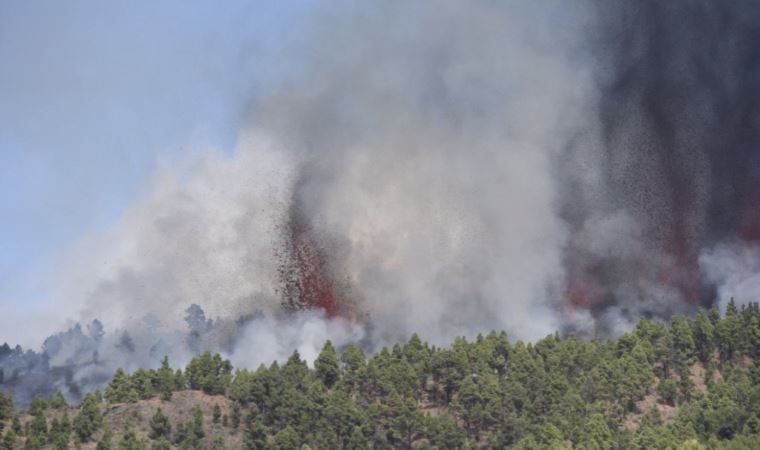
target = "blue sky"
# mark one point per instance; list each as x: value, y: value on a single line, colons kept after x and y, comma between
x: 92, y: 94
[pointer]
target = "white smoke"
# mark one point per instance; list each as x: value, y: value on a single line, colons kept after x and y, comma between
x: 427, y: 146
x: 203, y: 233
x: 735, y: 270
x: 423, y: 139
x: 431, y: 141
x: 265, y: 339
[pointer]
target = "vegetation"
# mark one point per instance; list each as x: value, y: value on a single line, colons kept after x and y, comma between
x: 6, y: 407
x: 690, y: 384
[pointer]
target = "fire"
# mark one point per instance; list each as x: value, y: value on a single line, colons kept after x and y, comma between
x: 749, y: 228
x: 309, y: 282
x: 315, y: 288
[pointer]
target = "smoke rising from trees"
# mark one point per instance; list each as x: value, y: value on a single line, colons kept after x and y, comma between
x: 447, y: 169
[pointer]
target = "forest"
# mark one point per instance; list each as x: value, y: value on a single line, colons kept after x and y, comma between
x: 691, y: 383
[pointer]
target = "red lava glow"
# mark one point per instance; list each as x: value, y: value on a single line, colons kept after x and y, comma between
x: 309, y: 281
x: 681, y: 272
x: 749, y: 228
x: 673, y: 240
x: 579, y: 291
x: 578, y: 297
x: 591, y: 285
x: 314, y: 286
x: 682, y: 277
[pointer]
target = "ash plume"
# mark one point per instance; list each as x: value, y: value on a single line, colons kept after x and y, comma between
x: 443, y: 168
x: 678, y: 161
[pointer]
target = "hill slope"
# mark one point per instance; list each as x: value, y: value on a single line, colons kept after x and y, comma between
x: 687, y: 384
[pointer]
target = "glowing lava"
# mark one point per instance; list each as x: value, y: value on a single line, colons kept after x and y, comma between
x: 306, y: 273
x: 314, y: 286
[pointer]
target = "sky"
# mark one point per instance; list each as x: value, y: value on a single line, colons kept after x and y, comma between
x: 93, y: 96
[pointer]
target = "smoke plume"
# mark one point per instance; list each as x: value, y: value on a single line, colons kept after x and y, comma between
x: 444, y: 168
x: 679, y: 165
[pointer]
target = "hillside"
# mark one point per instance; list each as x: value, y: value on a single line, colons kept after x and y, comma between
x: 692, y: 383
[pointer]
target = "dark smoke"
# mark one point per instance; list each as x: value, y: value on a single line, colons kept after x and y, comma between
x: 679, y: 116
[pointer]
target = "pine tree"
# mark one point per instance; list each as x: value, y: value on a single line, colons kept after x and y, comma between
x: 354, y: 367
x: 142, y: 383
x: 407, y: 421
x: 217, y: 443
x: 208, y: 373
x: 33, y: 443
x: 753, y: 338
x: 16, y: 425
x: 217, y: 413
x: 286, y: 439
x: 597, y: 434
x: 444, y: 433
x: 683, y: 342
x: 161, y: 444
x: 9, y: 440
x: 61, y: 442
x: 197, y: 428
x: 89, y: 419
x: 39, y: 426
x: 180, y: 381
x: 668, y: 391
x: 130, y: 442
x: 353, y: 359
x: 59, y: 432
x: 37, y: 406
x: 356, y: 441
x: 295, y: 371
x: 727, y: 333
x: 340, y: 414
x: 105, y: 442
x: 166, y: 380
x: 255, y: 436
x: 235, y: 415
x: 120, y: 388
x: 691, y: 444
x: 160, y: 427
x: 703, y: 330
x: 181, y: 434
x: 326, y: 365
x: 449, y: 368
x: 57, y: 401
x: 6, y: 407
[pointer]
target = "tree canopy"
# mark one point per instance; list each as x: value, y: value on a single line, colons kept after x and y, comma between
x: 690, y: 383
